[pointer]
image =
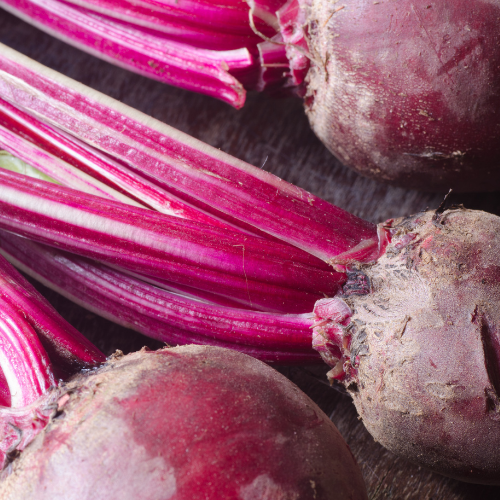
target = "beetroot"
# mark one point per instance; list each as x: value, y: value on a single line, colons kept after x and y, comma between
x: 421, y: 342
x: 409, y: 91
x: 404, y: 91
x: 186, y: 423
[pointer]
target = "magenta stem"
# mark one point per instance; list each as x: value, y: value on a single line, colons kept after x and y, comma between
x: 229, y: 16
x: 187, y: 168
x: 5, y: 399
x: 158, y: 313
x: 239, y: 266
x: 146, y: 53
x: 62, y: 156
x: 211, y: 25
x: 23, y: 360
x: 218, y: 48
x: 100, y: 285
x: 66, y: 346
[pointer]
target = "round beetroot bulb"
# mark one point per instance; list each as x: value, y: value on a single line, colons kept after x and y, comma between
x: 408, y: 92
x: 185, y: 423
x: 426, y: 344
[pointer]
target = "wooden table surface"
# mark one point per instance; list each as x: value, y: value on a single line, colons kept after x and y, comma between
x: 275, y: 135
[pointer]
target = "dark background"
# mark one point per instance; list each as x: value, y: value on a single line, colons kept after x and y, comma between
x: 274, y: 134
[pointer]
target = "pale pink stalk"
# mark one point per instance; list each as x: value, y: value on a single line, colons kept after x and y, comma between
x: 201, y: 24
x: 23, y: 360
x: 71, y: 162
x: 58, y: 169
x: 230, y: 16
x: 230, y: 263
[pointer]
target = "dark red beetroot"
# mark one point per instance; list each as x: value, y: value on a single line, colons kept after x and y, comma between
x: 187, y: 423
x: 409, y: 91
x: 405, y: 91
x: 422, y: 347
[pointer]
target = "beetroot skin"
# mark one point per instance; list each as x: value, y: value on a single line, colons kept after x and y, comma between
x: 408, y: 92
x: 424, y: 357
x: 185, y: 423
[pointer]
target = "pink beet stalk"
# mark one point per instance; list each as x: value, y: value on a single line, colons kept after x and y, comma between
x: 227, y: 15
x: 232, y: 264
x: 217, y: 49
x: 71, y: 162
x: 144, y: 52
x: 156, y: 312
x: 27, y: 324
x: 28, y: 370
x: 217, y: 26
x: 62, y: 342
x: 200, y: 175
x: 58, y: 170
x: 24, y: 362
x: 5, y: 399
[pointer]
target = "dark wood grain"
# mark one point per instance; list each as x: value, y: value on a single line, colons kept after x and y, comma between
x: 275, y: 135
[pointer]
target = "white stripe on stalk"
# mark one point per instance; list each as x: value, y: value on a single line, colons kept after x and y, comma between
x: 76, y: 216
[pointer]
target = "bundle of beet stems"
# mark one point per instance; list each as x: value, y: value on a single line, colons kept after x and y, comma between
x: 186, y: 244
x: 405, y: 92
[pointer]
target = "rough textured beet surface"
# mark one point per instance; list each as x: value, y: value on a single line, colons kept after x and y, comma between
x: 427, y: 344
x: 185, y: 423
x: 408, y: 91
